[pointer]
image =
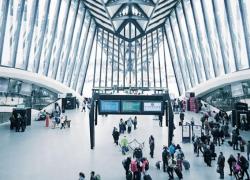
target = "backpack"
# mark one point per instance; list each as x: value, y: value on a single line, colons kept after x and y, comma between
x: 133, y: 166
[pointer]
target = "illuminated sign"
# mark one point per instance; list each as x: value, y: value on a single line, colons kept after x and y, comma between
x: 131, y: 106
x: 109, y: 106
x: 152, y: 106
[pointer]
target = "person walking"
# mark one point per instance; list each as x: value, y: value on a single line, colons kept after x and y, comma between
x: 165, y: 154
x: 199, y: 145
x: 121, y: 126
x: 126, y: 164
x: 124, y: 145
x: 248, y: 150
x: 151, y: 146
x: 170, y: 168
x: 116, y: 135
x: 84, y: 105
x: 231, y: 163
x: 135, y: 122
x: 129, y: 124
x: 221, y: 165
x: 182, y: 115
x: 244, y: 164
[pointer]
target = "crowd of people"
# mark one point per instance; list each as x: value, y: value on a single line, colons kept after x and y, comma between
x: 215, y: 134
x: 173, y: 160
x: 18, y: 121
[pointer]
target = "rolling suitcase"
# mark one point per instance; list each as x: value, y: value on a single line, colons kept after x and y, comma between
x: 178, y: 172
x: 186, y: 164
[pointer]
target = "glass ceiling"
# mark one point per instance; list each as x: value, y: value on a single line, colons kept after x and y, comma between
x: 143, y: 15
x: 126, y: 44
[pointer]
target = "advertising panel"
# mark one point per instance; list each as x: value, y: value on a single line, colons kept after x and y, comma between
x: 152, y: 106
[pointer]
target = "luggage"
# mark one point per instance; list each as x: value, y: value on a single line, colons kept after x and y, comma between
x: 236, y: 168
x: 157, y: 164
x: 242, y: 149
x: 230, y: 143
x: 178, y: 172
x: 147, y: 177
x: 180, y: 124
x: 186, y: 164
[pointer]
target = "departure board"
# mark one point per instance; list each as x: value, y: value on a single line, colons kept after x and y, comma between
x: 130, y: 106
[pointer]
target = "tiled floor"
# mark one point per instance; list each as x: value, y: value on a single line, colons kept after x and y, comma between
x: 43, y: 153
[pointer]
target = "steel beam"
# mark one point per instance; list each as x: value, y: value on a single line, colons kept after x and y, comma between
x: 87, y: 59
x: 96, y: 48
x: 244, y: 13
x: 41, y: 38
x: 174, y: 69
x: 164, y: 55
x: 68, y: 44
x: 19, y: 16
x: 75, y: 49
x: 4, y: 10
x: 61, y: 40
x: 159, y: 58
x: 153, y: 59
x: 100, y: 72
x: 81, y: 54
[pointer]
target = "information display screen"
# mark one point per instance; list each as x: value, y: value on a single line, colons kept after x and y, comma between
x: 109, y: 106
x: 131, y: 106
x: 153, y: 106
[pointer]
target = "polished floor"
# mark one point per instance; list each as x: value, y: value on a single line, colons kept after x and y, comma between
x: 43, y: 153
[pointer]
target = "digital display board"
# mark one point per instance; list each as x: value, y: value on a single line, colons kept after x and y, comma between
x: 131, y: 106
x: 153, y: 106
x: 111, y: 106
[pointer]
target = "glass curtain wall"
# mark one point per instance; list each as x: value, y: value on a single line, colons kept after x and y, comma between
x: 47, y: 37
x: 206, y: 39
x: 200, y: 40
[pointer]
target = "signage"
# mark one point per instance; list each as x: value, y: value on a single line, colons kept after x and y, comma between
x: 197, y: 130
x: 109, y: 106
x: 237, y: 90
x: 185, y: 130
x: 152, y: 106
x: 131, y: 106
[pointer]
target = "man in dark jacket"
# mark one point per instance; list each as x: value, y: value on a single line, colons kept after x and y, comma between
x: 244, y: 164
x: 231, y: 162
x: 248, y: 150
x: 207, y: 156
x: 165, y: 154
x: 221, y: 165
x: 126, y: 164
x: 116, y: 135
x: 182, y: 117
x: 212, y: 149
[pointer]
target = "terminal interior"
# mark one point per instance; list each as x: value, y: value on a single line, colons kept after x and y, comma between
x: 70, y: 70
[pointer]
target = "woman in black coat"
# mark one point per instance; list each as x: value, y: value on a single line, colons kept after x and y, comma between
x: 151, y: 146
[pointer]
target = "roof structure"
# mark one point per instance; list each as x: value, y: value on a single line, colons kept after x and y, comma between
x: 118, y: 16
